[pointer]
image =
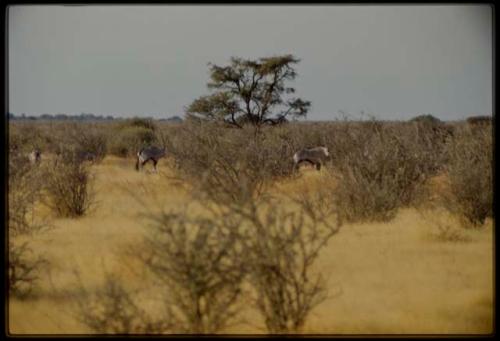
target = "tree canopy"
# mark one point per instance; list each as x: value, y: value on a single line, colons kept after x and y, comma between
x: 250, y: 91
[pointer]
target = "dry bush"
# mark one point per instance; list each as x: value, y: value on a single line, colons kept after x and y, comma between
x: 24, y: 268
x: 68, y: 187
x: 25, y: 136
x: 383, y: 168
x: 281, y: 247
x: 73, y: 139
x: 126, y: 141
x: 445, y: 226
x: 24, y: 186
x: 199, y: 261
x: 469, y: 168
x: 228, y: 165
x: 111, y: 309
x: 480, y: 120
x: 235, y: 165
x: 146, y: 123
x: 204, y: 262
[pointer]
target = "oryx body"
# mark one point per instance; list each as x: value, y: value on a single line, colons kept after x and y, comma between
x: 151, y: 153
x: 35, y: 156
x: 316, y: 156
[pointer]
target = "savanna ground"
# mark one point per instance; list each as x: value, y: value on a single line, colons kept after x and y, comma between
x: 390, y: 276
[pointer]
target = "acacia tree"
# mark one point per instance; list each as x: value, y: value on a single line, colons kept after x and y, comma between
x: 248, y: 91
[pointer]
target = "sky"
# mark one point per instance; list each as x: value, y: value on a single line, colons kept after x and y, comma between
x: 391, y: 62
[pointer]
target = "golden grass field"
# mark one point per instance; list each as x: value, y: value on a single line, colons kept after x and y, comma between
x: 384, y: 278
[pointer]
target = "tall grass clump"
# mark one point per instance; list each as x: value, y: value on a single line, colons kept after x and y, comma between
x: 470, y: 173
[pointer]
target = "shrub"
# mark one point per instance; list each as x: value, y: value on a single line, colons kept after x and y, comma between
x: 469, y: 168
x: 127, y: 141
x: 231, y: 165
x: 23, y: 193
x: 68, y: 188
x: 24, y: 267
x: 282, y: 246
x: 25, y: 136
x: 382, y: 169
x: 479, y: 120
x: 112, y: 309
x: 25, y: 185
x: 145, y: 123
x: 199, y: 261
x: 429, y: 119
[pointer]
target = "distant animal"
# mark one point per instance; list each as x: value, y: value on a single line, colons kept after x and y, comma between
x: 147, y: 154
x: 35, y: 156
x: 82, y: 156
x: 316, y: 156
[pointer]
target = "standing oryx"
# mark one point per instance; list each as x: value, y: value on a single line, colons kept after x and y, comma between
x: 149, y: 153
x: 35, y: 156
x: 316, y: 156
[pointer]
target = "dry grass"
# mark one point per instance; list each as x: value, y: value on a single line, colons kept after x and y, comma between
x: 382, y: 277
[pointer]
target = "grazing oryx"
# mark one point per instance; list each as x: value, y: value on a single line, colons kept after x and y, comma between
x: 149, y: 153
x: 316, y: 156
x: 35, y: 156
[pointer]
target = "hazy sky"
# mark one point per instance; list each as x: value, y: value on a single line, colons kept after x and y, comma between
x: 393, y: 62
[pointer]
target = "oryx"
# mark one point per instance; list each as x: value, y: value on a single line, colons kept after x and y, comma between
x: 146, y: 154
x: 316, y: 156
x: 35, y: 156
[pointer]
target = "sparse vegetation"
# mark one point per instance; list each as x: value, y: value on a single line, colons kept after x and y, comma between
x: 470, y: 172
x: 252, y: 242
x: 111, y: 309
x: 68, y: 187
x: 201, y: 264
x: 282, y: 246
x: 24, y: 187
x: 383, y: 169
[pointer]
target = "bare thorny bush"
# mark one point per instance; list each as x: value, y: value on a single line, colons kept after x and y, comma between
x: 75, y: 138
x: 209, y: 264
x: 68, y: 187
x: 25, y: 182
x: 383, y: 168
x: 281, y: 247
x: 228, y: 165
x: 200, y: 264
x: 204, y: 261
x: 470, y: 173
x: 111, y: 309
